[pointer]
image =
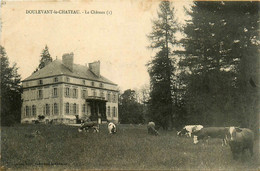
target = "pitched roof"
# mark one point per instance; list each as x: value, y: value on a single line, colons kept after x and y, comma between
x: 58, y: 68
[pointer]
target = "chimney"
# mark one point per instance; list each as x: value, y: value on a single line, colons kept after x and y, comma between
x: 95, y: 67
x: 67, y: 60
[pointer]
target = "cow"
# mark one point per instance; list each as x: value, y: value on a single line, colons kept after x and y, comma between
x: 111, y: 128
x: 151, y: 129
x: 189, y: 129
x: 240, y: 139
x: 89, y: 125
x: 211, y: 132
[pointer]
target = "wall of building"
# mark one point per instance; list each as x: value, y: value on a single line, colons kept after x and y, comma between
x: 31, y: 97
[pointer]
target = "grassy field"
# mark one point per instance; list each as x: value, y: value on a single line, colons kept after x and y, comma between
x: 63, y: 147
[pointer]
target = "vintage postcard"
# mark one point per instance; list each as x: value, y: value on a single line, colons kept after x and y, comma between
x: 126, y: 85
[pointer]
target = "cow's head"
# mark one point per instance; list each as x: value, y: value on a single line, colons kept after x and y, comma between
x: 80, y: 130
x: 232, y: 133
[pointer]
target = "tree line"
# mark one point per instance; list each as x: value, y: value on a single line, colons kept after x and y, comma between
x: 209, y: 77
x: 212, y: 79
x: 11, y: 89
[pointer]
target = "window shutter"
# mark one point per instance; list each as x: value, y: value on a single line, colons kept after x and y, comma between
x: 71, y: 108
x: 71, y: 92
x: 65, y: 108
x: 43, y: 109
x: 77, y: 109
x: 52, y: 109
x: 82, y: 94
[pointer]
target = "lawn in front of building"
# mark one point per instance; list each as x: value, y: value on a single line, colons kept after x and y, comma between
x: 63, y: 147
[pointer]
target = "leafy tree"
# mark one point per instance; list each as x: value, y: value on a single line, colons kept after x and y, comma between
x: 45, y: 58
x: 10, y: 92
x: 161, y: 68
x: 129, y: 109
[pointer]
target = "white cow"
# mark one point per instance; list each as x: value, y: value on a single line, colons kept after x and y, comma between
x: 151, y: 129
x: 189, y: 129
x: 111, y: 128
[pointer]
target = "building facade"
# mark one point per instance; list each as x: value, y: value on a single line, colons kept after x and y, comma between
x: 64, y: 92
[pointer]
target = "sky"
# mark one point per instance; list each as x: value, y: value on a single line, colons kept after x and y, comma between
x: 118, y: 38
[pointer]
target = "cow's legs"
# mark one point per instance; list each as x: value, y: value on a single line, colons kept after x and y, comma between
x: 195, y: 139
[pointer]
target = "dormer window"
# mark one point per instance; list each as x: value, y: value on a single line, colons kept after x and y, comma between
x: 84, y: 82
x: 93, y: 83
x: 67, y: 79
x: 101, y: 85
x: 55, y: 79
x: 40, y: 82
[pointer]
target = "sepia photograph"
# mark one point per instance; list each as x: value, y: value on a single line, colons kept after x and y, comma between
x: 129, y: 85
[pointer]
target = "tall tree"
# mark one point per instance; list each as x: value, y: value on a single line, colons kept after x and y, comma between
x: 161, y: 67
x: 45, y: 58
x: 221, y: 40
x: 10, y: 91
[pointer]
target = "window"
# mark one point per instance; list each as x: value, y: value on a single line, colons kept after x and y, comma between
x: 84, y: 93
x: 84, y: 108
x: 114, y: 111
x: 114, y: 98
x: 33, y: 110
x: 27, y: 111
x: 108, y: 97
x: 74, y: 93
x: 56, y: 111
x: 67, y: 92
x: 101, y: 85
x: 94, y: 93
x: 102, y: 94
x: 93, y: 83
x: 55, y: 79
x: 40, y: 82
x: 55, y: 92
x: 108, y: 111
x: 84, y: 82
x: 47, y: 109
x: 40, y: 94
x: 67, y: 79
x: 74, y: 108
x: 67, y: 108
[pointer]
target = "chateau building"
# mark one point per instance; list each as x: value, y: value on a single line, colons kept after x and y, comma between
x: 64, y: 92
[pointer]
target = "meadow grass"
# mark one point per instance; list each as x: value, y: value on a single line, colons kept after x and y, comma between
x: 63, y: 147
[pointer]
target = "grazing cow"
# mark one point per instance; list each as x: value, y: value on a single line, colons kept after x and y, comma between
x: 240, y: 139
x: 151, y: 129
x: 89, y: 125
x: 189, y: 129
x: 212, y: 132
x: 111, y: 128
x: 33, y: 135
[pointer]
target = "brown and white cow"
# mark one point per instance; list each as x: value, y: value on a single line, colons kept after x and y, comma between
x: 189, y: 129
x: 86, y: 126
x: 111, y: 128
x: 240, y: 139
x: 211, y: 132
